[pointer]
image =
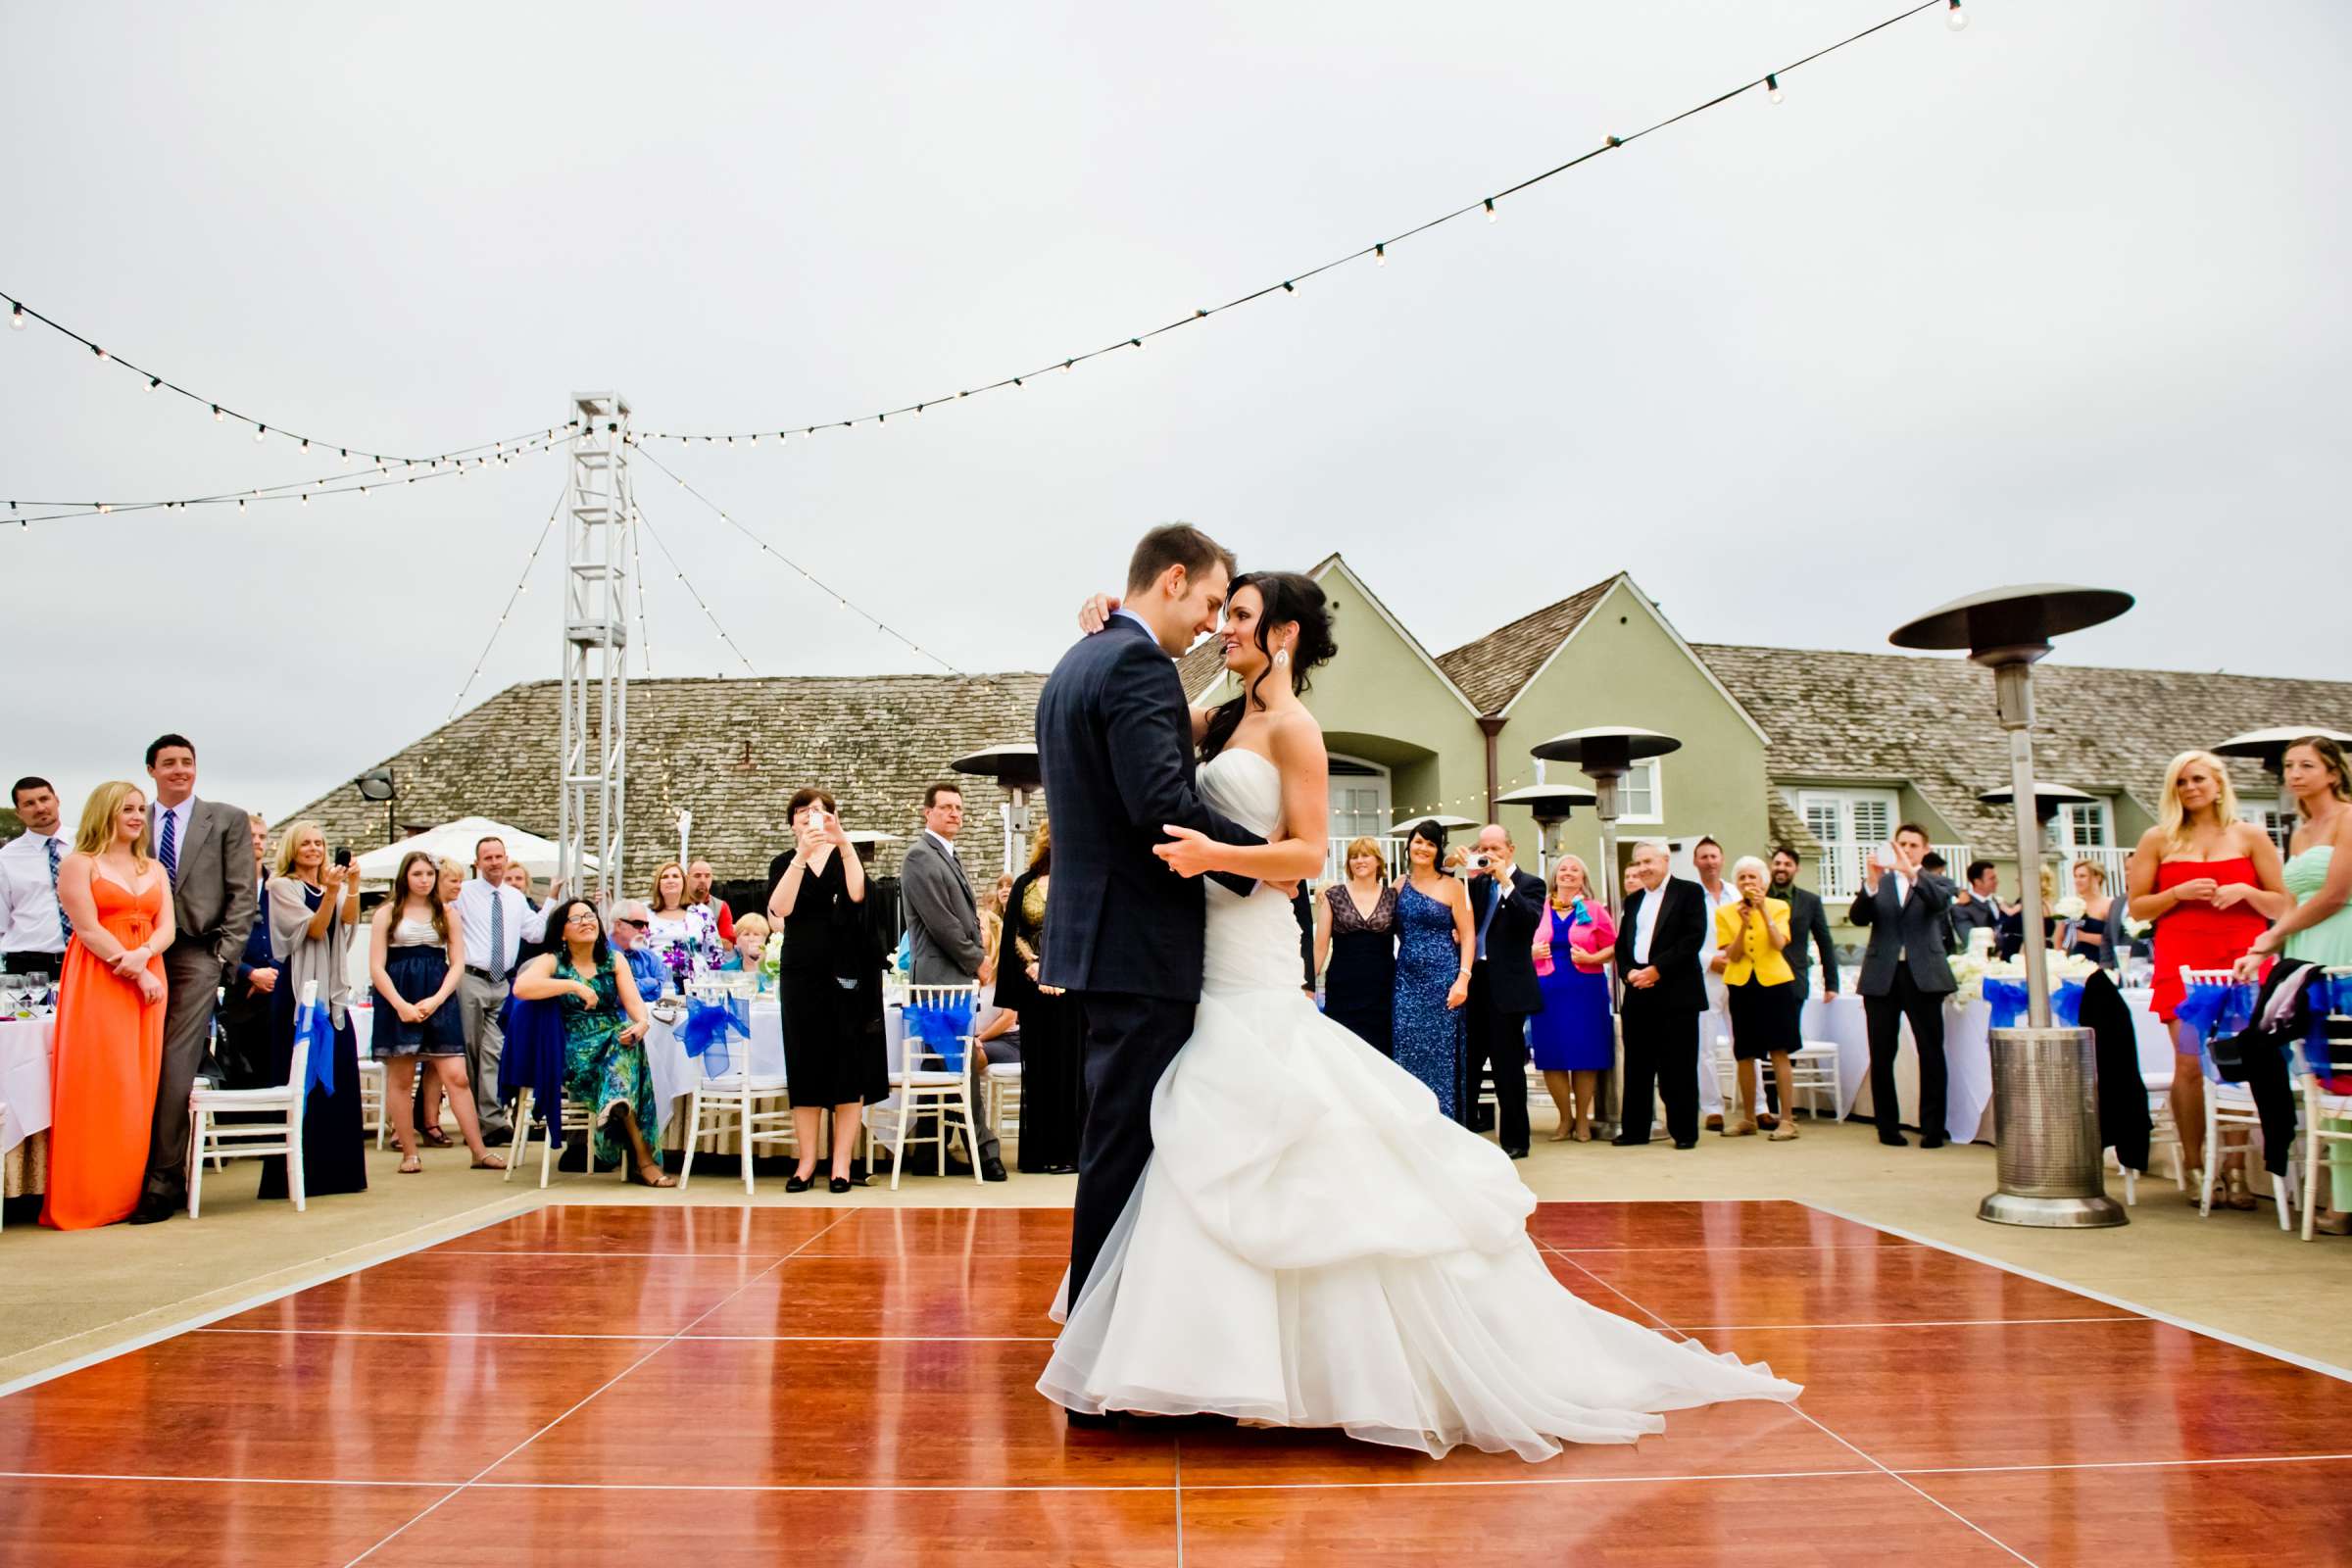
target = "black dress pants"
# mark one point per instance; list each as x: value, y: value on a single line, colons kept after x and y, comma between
x: 1661, y: 1055
x: 1499, y: 1039
x: 1130, y: 1041
x: 1885, y: 1017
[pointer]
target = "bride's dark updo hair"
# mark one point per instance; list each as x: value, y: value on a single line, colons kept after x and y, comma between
x: 1284, y: 598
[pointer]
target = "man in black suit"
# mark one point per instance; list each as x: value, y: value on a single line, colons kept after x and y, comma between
x: 1904, y: 974
x: 1658, y: 945
x: 1506, y: 903
x: 1808, y: 927
x: 1114, y: 742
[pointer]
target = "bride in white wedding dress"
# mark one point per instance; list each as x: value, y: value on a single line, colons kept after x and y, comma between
x: 1313, y: 1245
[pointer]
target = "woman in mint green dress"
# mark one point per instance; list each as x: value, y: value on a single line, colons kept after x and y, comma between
x: 2314, y: 914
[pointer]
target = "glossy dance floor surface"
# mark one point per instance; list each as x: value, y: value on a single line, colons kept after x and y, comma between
x: 707, y: 1387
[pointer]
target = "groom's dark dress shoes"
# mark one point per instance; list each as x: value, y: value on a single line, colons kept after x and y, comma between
x: 992, y: 1170
x: 1516, y: 1153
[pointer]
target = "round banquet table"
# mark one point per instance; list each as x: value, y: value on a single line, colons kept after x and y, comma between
x: 25, y: 1051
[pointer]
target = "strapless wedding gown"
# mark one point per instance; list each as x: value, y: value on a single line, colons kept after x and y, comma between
x: 1313, y: 1245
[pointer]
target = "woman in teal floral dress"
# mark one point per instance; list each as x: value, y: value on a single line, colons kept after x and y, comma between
x: 604, y: 1037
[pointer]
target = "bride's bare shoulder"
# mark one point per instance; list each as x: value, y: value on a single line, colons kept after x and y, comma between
x: 1294, y: 732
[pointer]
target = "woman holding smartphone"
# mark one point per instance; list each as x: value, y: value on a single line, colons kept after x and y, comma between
x: 829, y: 980
x: 312, y: 908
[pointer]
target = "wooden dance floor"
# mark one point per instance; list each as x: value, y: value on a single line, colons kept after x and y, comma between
x: 707, y: 1387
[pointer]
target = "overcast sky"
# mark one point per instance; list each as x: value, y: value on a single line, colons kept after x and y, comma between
x: 2058, y: 297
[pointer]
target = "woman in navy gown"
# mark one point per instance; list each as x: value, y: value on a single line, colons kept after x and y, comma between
x: 1435, y: 947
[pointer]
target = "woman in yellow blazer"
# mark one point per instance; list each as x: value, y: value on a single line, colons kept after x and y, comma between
x: 1764, y: 997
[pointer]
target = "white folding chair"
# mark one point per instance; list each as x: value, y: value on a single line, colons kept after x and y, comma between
x: 2164, y: 1134
x: 2320, y: 1107
x: 277, y: 1127
x: 372, y: 1117
x: 1004, y: 1097
x: 1813, y: 1078
x: 936, y: 1092
x: 575, y: 1115
x: 752, y: 1105
x: 2230, y: 1114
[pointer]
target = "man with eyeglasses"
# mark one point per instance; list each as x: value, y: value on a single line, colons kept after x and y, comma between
x: 631, y: 921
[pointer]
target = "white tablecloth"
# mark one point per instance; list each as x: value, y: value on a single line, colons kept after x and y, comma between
x: 23, y: 1080
x: 674, y: 1073
x: 1967, y: 1055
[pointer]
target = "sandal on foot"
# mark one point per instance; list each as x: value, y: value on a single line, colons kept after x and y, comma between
x: 2239, y: 1197
x: 410, y: 1166
x: 1781, y: 1134
x: 658, y: 1178
x: 434, y: 1137
x: 490, y: 1163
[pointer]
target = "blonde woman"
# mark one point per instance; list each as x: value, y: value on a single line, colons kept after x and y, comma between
x: 680, y: 929
x: 1355, y: 948
x: 1573, y: 1039
x: 107, y: 1040
x: 2090, y: 934
x: 1752, y: 935
x: 2196, y: 875
x: 314, y: 905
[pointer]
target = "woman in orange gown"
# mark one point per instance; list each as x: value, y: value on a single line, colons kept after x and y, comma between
x: 109, y: 1041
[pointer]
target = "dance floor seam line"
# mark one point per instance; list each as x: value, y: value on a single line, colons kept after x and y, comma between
x: 599, y: 1389
x: 1904, y: 1323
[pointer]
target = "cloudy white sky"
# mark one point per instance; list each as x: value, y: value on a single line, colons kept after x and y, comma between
x: 2058, y: 297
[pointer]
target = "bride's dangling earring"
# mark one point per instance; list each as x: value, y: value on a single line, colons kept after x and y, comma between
x: 1282, y: 659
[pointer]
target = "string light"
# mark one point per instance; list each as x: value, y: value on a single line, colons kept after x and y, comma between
x: 694, y: 593
x: 1956, y: 18
x: 259, y: 431
x: 521, y: 587
x: 1490, y: 205
x: 807, y: 575
x: 16, y: 316
x: 154, y: 382
x: 1771, y: 87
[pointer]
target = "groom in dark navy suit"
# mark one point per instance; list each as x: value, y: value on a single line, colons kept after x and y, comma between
x: 1114, y: 741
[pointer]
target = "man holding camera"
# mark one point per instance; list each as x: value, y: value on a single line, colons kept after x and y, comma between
x: 1506, y: 903
x: 206, y: 850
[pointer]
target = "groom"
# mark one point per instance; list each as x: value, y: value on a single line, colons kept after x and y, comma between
x: 1114, y: 740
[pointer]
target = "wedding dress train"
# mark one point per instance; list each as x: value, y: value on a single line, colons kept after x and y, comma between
x: 1313, y: 1245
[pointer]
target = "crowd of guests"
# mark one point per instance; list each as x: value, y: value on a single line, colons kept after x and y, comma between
x: 180, y: 942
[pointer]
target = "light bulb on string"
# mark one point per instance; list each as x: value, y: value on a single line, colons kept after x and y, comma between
x: 16, y: 317
x: 154, y: 382
x: 347, y: 457
x: 95, y: 349
x: 1491, y: 214
x: 259, y: 431
x: 1954, y: 18
x: 1771, y: 87
x: 217, y: 415
x: 1379, y: 255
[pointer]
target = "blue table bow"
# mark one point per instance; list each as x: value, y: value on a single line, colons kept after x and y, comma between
x: 706, y: 1028
x: 2007, y: 999
x: 311, y: 1025
x: 941, y: 1027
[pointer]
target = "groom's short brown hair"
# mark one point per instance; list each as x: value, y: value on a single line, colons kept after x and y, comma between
x: 1175, y: 544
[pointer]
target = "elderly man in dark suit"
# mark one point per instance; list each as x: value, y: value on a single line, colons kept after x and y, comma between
x: 1659, y: 940
x: 1506, y: 903
x: 1905, y: 975
x: 943, y: 938
x: 207, y: 851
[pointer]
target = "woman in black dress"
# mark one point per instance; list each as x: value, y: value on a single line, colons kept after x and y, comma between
x: 1355, y: 940
x: 1053, y: 1079
x: 830, y: 981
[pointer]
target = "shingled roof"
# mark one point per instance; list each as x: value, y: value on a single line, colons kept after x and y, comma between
x: 1884, y: 718
x: 1491, y: 670
x: 730, y: 751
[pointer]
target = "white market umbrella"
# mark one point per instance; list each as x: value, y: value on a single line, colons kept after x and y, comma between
x: 455, y: 841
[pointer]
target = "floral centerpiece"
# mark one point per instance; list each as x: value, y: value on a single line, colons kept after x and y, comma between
x: 1974, y: 968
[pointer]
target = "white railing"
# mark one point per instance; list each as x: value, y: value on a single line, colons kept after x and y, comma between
x: 1392, y: 849
x: 2111, y: 861
x: 1840, y: 868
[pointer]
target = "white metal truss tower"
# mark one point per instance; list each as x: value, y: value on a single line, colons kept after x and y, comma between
x: 594, y: 755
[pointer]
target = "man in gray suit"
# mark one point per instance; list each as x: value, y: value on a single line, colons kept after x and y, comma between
x: 943, y: 936
x: 207, y: 851
x: 1904, y: 975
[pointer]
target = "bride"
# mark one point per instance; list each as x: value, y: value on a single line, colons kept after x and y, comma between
x: 1313, y: 1245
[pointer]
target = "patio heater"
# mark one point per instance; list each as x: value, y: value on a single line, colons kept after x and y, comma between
x: 1014, y: 765
x: 378, y: 784
x: 2269, y: 747
x: 1605, y: 754
x: 2047, y: 799
x: 2045, y: 1079
x: 1550, y: 804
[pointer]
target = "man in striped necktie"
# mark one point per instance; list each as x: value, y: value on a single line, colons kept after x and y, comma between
x: 33, y: 929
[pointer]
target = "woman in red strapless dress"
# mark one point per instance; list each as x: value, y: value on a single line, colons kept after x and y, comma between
x: 2192, y: 874
x: 109, y: 1039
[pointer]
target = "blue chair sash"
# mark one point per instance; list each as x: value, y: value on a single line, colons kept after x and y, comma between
x: 706, y: 1028
x: 942, y: 1028
x: 534, y: 1058
x: 311, y: 1024
x: 2007, y: 999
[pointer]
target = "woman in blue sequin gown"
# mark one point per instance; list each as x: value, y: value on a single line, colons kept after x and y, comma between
x: 1435, y: 946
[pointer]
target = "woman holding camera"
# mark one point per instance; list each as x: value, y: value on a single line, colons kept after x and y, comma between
x: 313, y: 908
x: 829, y: 979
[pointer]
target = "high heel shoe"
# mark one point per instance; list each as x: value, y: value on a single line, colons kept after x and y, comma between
x: 796, y: 1184
x: 838, y: 1186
